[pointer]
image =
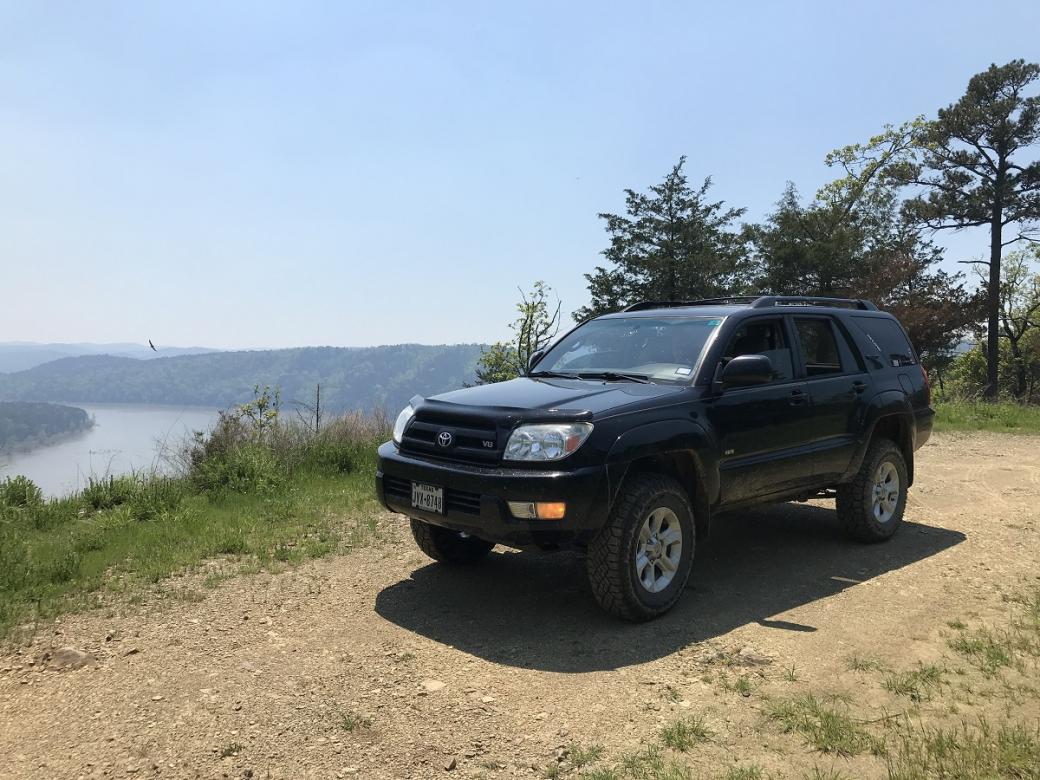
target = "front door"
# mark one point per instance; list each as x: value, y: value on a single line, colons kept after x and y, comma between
x: 763, y: 437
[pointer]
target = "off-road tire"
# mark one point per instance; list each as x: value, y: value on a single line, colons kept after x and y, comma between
x: 447, y: 546
x: 855, y: 501
x: 611, y: 554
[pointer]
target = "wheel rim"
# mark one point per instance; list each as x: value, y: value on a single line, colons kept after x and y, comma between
x: 658, y: 550
x: 885, y: 496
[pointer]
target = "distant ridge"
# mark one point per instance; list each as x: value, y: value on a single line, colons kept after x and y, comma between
x: 23, y: 355
x: 351, y: 377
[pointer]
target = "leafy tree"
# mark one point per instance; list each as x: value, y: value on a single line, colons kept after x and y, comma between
x: 974, y: 175
x: 537, y: 323
x: 671, y: 244
x: 1019, y: 311
x: 851, y: 241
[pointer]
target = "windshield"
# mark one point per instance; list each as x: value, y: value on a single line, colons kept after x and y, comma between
x: 665, y: 349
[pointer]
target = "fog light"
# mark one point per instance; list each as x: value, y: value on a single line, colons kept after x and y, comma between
x: 550, y: 510
x: 538, y: 510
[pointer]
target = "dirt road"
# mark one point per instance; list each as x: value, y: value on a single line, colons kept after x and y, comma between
x: 380, y: 665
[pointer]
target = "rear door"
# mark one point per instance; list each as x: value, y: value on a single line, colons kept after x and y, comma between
x: 762, y: 430
x: 836, y: 381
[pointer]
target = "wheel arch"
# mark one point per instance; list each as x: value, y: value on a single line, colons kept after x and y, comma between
x: 679, y: 449
x: 889, y: 417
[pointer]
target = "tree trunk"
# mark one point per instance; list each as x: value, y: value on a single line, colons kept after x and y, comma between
x: 993, y: 304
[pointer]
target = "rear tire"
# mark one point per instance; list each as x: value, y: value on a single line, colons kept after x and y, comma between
x: 639, y: 562
x: 871, y: 506
x: 447, y: 546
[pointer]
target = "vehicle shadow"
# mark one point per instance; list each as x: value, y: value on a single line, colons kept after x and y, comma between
x: 536, y: 611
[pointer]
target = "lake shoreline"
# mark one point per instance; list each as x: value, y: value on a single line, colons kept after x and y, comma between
x: 124, y: 438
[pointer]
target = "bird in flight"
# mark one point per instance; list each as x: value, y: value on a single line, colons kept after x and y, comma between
x: 150, y: 344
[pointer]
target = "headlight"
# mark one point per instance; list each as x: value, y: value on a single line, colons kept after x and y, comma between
x: 546, y: 441
x: 402, y: 421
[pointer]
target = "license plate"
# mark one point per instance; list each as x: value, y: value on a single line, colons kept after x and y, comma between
x: 428, y: 497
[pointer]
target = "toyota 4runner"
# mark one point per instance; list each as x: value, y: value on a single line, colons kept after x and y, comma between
x: 631, y: 432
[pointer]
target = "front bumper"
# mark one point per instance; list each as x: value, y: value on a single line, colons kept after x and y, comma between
x: 475, y: 498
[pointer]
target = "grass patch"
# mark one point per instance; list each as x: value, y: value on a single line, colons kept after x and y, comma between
x: 231, y: 749
x: 987, y: 650
x: 749, y: 772
x: 582, y: 755
x: 824, y: 727
x: 917, y: 684
x: 1002, y: 417
x: 1008, y: 751
x: 858, y: 664
x: 684, y: 734
x: 352, y: 721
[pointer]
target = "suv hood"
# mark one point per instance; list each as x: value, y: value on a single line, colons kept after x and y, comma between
x: 557, y: 397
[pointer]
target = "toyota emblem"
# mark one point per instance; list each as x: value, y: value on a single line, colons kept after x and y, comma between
x: 444, y: 438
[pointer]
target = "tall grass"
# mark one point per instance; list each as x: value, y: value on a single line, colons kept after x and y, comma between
x: 1000, y: 416
x: 284, y: 493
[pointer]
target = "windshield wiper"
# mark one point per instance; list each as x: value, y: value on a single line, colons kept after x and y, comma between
x: 615, y: 376
x: 552, y: 375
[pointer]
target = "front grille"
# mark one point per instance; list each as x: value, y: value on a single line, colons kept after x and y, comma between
x: 454, y: 500
x: 474, y: 439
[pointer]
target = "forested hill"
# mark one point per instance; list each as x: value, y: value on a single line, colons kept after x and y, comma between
x: 351, y: 378
x: 32, y: 424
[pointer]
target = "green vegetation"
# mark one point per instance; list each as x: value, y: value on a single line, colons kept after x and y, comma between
x: 24, y: 425
x: 684, y: 734
x: 1001, y: 417
x: 365, y: 378
x: 823, y: 726
x: 535, y: 326
x: 1009, y: 751
x: 917, y: 684
x: 264, y: 495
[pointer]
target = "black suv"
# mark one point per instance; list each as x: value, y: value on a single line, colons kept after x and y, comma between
x: 631, y: 432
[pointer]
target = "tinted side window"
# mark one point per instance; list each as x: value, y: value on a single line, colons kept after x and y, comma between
x: 819, y: 349
x: 888, y: 338
x: 763, y: 337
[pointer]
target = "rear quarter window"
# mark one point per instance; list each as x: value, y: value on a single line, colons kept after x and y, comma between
x: 886, y: 336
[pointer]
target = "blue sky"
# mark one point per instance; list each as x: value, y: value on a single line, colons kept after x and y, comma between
x: 249, y: 174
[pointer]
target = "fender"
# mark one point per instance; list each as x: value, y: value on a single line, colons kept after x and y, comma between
x: 669, y: 438
x: 886, y: 405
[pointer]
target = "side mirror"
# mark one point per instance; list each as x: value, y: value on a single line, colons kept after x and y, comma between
x: 533, y: 360
x: 747, y: 370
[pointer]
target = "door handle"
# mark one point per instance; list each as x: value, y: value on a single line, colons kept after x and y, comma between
x: 858, y: 387
x: 797, y: 397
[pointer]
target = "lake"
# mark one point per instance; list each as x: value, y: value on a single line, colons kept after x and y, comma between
x: 126, y: 438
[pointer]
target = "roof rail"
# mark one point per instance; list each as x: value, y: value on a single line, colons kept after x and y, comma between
x: 807, y: 300
x: 759, y: 302
x: 641, y: 305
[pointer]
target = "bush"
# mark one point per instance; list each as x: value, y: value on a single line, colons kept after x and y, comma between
x: 246, y: 468
x: 20, y: 492
x: 108, y: 492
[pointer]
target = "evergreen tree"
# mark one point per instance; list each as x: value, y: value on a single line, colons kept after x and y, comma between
x: 672, y: 243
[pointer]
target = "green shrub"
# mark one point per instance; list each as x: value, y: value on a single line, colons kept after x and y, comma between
x: 155, y: 498
x: 108, y: 492
x: 244, y: 468
x: 20, y: 492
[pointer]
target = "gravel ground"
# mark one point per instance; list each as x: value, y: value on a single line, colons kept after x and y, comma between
x: 379, y: 664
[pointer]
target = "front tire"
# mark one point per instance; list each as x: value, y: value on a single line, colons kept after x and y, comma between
x: 639, y: 562
x: 447, y: 546
x: 871, y: 506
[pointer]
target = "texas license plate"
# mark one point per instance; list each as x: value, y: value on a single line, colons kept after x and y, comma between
x: 428, y: 497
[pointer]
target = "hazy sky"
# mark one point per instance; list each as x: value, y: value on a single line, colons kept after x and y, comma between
x: 249, y: 174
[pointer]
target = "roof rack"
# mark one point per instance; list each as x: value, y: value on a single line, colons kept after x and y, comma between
x: 641, y: 305
x: 806, y: 300
x: 758, y: 302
